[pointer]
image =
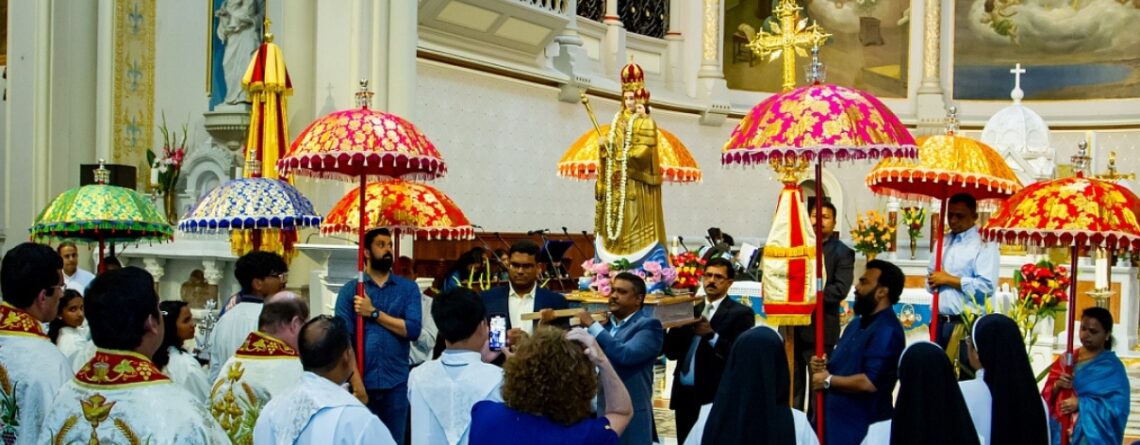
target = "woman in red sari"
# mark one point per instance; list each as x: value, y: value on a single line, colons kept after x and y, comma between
x: 1089, y: 401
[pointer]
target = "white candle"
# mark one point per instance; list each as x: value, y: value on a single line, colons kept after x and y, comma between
x: 1101, y: 272
x: 153, y: 176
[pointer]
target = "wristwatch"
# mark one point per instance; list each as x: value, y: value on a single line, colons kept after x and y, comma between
x: 827, y: 382
x: 375, y: 314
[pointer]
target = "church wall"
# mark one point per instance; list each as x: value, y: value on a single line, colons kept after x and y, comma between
x: 503, y: 137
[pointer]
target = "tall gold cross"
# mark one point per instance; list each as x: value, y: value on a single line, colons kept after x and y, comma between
x: 789, y: 36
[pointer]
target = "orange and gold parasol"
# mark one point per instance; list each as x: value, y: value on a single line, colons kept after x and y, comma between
x: 947, y: 165
x: 404, y: 208
x: 677, y: 164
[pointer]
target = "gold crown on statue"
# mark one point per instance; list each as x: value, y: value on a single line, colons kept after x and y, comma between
x: 632, y: 77
x: 641, y: 96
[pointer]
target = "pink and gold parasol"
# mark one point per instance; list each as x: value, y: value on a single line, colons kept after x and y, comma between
x: 821, y: 121
x: 361, y: 141
x: 677, y: 164
x: 818, y: 123
x: 404, y: 208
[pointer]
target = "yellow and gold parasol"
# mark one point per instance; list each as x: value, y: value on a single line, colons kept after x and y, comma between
x: 677, y: 164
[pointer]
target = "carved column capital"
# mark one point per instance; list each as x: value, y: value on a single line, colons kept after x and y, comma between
x: 211, y: 271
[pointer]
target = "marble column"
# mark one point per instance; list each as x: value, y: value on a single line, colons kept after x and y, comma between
x: 674, y: 74
x: 931, y: 103
x: 613, y: 48
x: 155, y: 267
x: 711, y: 85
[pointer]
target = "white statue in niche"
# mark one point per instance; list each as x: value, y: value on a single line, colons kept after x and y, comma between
x: 239, y: 29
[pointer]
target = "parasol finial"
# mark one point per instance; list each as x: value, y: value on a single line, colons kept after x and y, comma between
x: 1081, y: 159
x: 266, y: 22
x: 951, y: 120
x: 364, y: 95
x: 102, y: 175
x: 816, y: 72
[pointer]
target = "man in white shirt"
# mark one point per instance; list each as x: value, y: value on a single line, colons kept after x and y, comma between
x: 33, y: 368
x: 261, y: 275
x: 73, y: 276
x: 320, y: 409
x: 443, y: 391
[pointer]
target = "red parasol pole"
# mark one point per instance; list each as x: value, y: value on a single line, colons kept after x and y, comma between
x: 360, y: 278
x: 819, y: 290
x: 103, y: 266
x: 937, y: 267
x: 1072, y: 302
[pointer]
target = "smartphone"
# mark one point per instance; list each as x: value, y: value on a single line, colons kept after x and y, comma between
x: 498, y: 337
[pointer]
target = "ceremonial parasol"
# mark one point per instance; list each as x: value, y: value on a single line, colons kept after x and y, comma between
x: 947, y: 165
x: 249, y: 206
x: 677, y: 164
x: 1073, y: 212
x: 259, y: 211
x: 404, y: 208
x: 101, y: 213
x: 354, y: 144
x: 817, y: 123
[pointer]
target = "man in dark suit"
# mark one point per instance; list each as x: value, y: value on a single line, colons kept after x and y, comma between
x: 523, y: 295
x: 701, y: 348
x: 632, y: 341
x: 839, y: 264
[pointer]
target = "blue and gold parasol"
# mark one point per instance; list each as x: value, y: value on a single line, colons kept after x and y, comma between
x: 252, y: 208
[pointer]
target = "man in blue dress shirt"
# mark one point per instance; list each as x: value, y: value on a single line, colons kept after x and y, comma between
x: 392, y: 320
x: 860, y: 376
x: 969, y: 274
x: 632, y: 340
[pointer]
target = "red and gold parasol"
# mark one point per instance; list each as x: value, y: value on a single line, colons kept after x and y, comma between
x: 357, y: 143
x: 947, y: 165
x: 404, y: 208
x: 677, y: 164
x: 1071, y: 212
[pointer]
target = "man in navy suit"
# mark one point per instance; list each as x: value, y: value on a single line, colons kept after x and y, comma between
x: 523, y: 295
x: 701, y: 349
x: 632, y: 341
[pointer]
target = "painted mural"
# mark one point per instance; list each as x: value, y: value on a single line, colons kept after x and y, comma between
x: 1071, y: 49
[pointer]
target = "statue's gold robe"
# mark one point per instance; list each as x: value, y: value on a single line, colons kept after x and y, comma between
x: 642, y: 221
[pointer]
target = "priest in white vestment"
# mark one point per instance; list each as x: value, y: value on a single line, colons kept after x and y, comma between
x: 321, y: 409
x: 261, y: 275
x: 120, y: 396
x: 442, y: 392
x: 266, y: 364
x: 31, y: 368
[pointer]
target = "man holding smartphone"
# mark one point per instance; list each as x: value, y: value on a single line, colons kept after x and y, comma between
x: 522, y: 294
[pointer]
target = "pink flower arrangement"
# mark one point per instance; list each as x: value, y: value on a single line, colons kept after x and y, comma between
x: 165, y: 169
x: 603, y: 273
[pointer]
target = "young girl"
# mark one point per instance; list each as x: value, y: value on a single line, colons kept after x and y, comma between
x: 172, y: 357
x: 64, y: 330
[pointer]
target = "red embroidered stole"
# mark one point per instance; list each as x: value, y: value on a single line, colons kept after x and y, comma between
x: 259, y: 345
x: 14, y: 321
x: 116, y: 369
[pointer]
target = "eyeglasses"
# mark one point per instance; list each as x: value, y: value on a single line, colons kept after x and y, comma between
x: 283, y: 276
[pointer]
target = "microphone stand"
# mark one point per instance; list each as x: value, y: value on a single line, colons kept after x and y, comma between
x: 545, y: 242
x: 576, y: 247
x: 491, y: 251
